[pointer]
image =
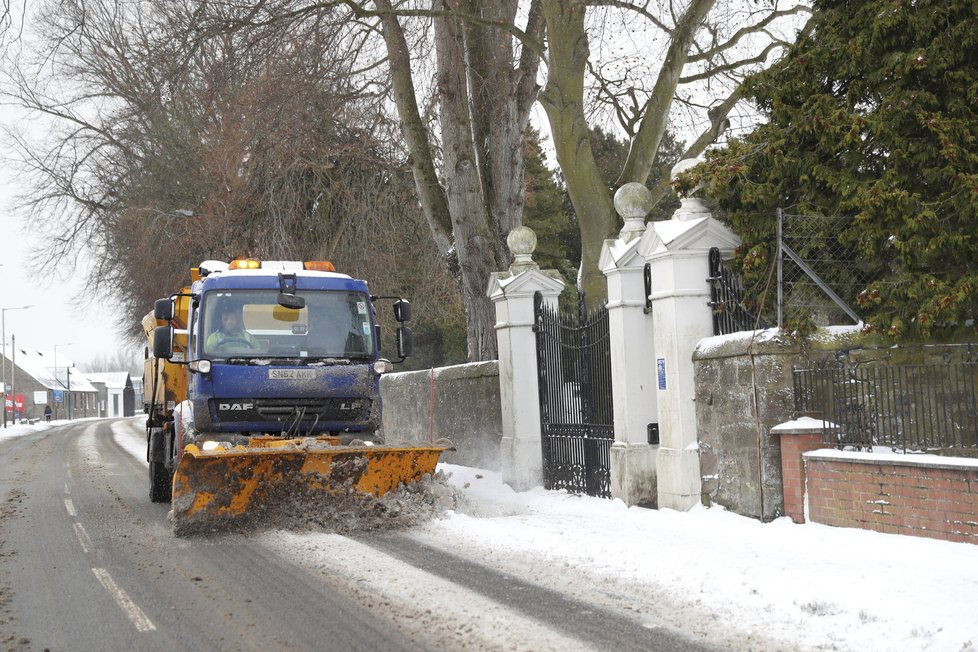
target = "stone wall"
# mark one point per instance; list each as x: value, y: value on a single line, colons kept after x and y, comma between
x: 460, y: 403
x: 740, y: 461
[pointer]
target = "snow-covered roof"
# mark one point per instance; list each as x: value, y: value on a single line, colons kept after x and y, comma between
x: 40, y: 365
x: 111, y: 379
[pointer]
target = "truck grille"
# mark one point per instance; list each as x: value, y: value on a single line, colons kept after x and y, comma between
x: 287, y: 410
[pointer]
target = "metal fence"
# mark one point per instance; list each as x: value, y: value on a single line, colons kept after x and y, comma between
x: 915, y: 407
x: 819, y: 274
x: 733, y: 309
x: 819, y: 270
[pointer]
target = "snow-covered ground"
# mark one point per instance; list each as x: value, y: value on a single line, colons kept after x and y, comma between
x: 796, y: 586
x: 806, y: 586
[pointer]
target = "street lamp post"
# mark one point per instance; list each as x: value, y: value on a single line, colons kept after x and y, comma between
x: 3, y: 368
x: 58, y: 380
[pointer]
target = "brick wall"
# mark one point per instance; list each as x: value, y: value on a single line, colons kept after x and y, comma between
x: 919, y: 495
x: 797, y: 438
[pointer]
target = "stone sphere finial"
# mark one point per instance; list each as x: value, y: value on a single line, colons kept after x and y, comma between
x: 522, y: 242
x: 633, y: 201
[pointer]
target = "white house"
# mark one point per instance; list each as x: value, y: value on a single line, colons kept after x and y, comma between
x: 115, y: 393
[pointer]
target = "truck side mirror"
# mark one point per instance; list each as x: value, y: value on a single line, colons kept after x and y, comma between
x: 163, y: 342
x: 402, y: 310
x: 163, y: 309
x: 405, y: 343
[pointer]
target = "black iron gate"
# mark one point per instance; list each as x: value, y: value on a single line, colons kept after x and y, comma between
x: 576, y: 415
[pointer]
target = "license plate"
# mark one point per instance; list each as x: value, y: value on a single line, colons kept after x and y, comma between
x: 292, y: 374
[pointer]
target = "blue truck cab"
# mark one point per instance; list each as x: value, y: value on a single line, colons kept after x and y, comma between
x: 279, y: 348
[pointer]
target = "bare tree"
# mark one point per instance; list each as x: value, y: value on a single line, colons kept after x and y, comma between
x: 124, y: 359
x: 486, y: 71
x: 485, y: 86
x: 706, y: 49
x: 166, y: 150
x: 463, y: 76
x: 9, y: 22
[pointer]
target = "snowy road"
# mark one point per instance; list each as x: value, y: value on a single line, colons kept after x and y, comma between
x: 88, y: 563
x: 504, y: 571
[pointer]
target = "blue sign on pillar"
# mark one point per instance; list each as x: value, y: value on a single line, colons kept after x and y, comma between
x: 660, y: 368
x: 57, y: 396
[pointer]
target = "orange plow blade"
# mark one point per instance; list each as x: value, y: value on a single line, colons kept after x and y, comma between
x: 215, y: 489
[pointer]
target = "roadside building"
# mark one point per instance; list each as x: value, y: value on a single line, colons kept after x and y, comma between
x: 116, y: 393
x: 36, y: 379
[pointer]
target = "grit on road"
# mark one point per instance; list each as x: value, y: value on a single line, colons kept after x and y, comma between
x: 87, y: 562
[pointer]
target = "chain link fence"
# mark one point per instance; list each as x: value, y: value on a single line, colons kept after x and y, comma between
x: 819, y: 270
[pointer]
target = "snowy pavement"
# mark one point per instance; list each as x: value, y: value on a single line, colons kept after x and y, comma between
x: 723, y: 577
x: 803, y: 586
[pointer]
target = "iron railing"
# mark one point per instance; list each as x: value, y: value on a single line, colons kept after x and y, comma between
x: 914, y: 407
x: 727, y: 299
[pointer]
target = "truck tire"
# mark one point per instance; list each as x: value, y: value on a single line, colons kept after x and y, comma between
x: 160, y: 479
x: 160, y: 483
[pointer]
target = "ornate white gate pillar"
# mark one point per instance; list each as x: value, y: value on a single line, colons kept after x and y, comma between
x: 677, y: 251
x: 633, y: 456
x: 512, y: 294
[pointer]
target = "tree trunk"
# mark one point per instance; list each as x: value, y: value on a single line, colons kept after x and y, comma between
x: 645, y: 146
x: 498, y: 128
x: 484, y: 105
x: 476, y: 242
x: 430, y: 193
x: 563, y: 100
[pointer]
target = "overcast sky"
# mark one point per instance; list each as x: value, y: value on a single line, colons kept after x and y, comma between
x: 90, y: 327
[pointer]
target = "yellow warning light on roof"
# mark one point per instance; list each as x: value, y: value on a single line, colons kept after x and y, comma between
x: 244, y: 263
x: 319, y: 266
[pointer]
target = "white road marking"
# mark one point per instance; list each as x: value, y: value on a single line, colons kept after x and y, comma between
x: 133, y: 612
x: 83, y: 538
x: 135, y: 615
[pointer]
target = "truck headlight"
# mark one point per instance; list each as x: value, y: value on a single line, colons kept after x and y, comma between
x: 383, y: 366
x: 202, y: 366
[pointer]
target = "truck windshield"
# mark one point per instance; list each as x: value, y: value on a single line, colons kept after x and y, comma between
x: 250, y: 323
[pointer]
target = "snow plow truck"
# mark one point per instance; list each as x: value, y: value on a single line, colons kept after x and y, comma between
x: 264, y: 383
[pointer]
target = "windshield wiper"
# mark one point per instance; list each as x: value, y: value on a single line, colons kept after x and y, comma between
x: 327, y: 361
x: 292, y: 361
x: 244, y: 360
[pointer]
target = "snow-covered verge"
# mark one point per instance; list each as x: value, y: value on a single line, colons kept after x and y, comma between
x: 21, y: 429
x: 719, y: 576
x: 805, y: 586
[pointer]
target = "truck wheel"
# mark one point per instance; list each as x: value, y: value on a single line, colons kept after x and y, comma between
x: 160, y: 479
x: 160, y: 483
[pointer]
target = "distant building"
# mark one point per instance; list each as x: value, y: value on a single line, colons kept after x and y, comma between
x: 117, y: 396
x: 39, y: 379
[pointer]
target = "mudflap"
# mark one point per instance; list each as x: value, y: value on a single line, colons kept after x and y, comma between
x: 241, y: 487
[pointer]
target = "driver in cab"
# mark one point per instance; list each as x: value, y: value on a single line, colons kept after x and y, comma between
x: 231, y: 335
